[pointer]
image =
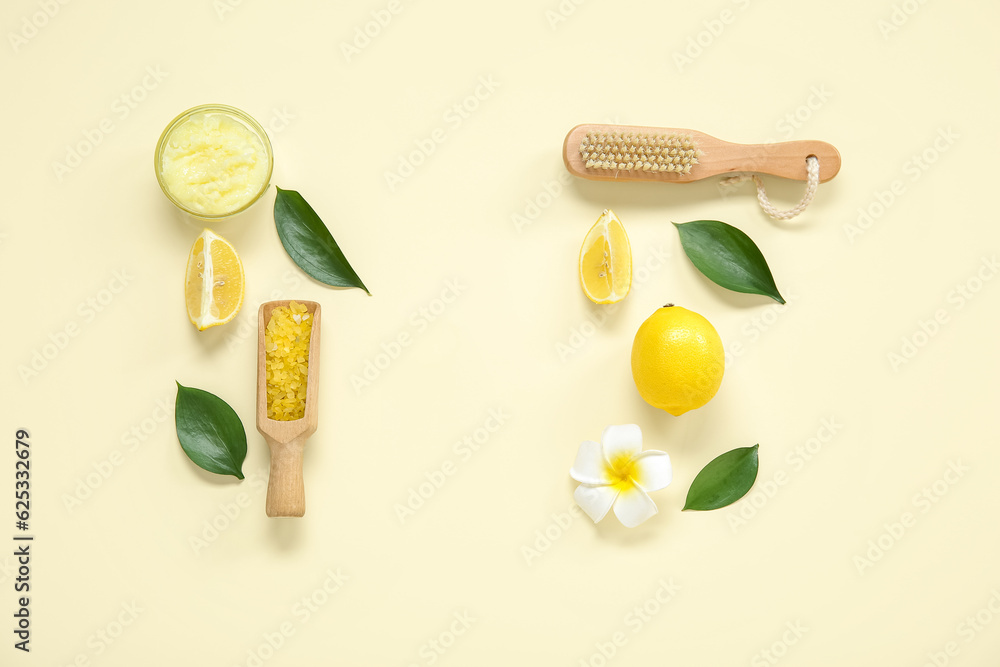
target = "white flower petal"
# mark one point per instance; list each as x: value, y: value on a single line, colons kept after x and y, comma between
x: 590, y: 467
x: 620, y: 441
x: 595, y: 500
x: 651, y: 470
x: 633, y: 506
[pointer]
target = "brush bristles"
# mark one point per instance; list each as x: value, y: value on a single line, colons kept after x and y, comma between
x: 632, y: 151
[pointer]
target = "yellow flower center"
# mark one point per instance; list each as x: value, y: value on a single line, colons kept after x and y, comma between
x: 622, y: 471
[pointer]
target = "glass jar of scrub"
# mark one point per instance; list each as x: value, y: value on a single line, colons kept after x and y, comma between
x: 213, y: 161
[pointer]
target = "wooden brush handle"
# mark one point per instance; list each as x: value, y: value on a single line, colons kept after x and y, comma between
x: 286, y: 494
x: 786, y: 159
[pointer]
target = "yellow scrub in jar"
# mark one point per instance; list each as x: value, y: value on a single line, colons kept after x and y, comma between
x: 214, y: 161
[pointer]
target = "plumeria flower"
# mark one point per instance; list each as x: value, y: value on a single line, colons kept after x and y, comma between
x: 618, y: 473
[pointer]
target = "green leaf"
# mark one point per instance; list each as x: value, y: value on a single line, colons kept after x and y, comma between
x: 309, y: 243
x: 210, y: 431
x: 726, y: 479
x: 727, y: 257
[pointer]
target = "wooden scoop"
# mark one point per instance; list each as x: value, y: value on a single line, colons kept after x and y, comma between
x: 286, y: 494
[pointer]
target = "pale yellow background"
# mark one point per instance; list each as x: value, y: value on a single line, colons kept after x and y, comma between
x: 338, y: 125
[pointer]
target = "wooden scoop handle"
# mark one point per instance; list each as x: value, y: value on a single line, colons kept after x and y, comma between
x: 286, y: 494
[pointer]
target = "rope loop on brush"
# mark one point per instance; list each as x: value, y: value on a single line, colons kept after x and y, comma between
x: 812, y: 182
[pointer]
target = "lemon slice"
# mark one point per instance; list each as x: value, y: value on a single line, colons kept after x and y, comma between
x: 606, y: 260
x: 213, y: 286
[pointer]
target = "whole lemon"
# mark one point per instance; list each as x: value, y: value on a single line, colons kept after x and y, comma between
x: 677, y: 360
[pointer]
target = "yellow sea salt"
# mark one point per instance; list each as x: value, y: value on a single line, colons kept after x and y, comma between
x: 286, y: 344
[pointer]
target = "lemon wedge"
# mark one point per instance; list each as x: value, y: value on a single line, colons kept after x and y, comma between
x: 606, y: 260
x: 213, y: 284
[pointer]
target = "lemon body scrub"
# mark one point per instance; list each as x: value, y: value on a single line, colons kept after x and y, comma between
x: 286, y: 346
x: 214, y: 161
